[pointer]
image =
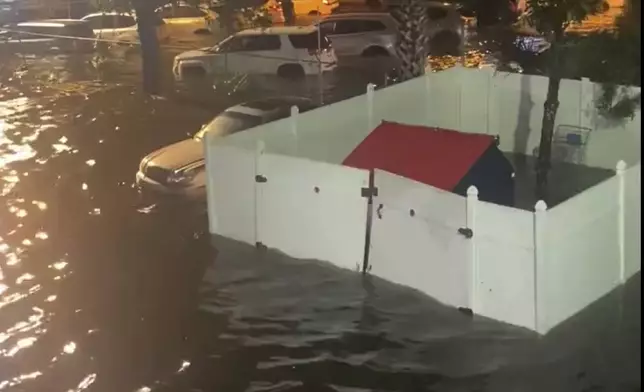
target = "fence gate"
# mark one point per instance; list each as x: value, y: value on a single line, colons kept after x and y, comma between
x: 419, y: 239
x: 312, y: 210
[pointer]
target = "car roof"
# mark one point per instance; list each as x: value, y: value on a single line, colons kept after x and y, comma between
x: 111, y: 13
x: 53, y: 23
x: 261, y: 107
x: 359, y: 15
x: 282, y: 30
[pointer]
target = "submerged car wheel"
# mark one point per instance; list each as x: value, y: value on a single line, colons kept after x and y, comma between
x: 375, y: 51
x: 314, y: 13
x: 290, y: 71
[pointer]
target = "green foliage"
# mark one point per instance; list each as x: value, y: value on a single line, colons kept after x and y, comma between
x: 552, y: 17
x: 617, y: 103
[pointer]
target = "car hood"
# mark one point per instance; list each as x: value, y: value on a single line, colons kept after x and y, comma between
x: 177, y: 156
x: 195, y: 54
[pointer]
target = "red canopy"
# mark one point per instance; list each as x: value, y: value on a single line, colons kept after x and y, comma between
x: 433, y: 156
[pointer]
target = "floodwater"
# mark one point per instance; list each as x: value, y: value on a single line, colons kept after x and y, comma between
x: 105, y: 289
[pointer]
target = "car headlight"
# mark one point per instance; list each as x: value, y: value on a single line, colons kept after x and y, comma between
x: 181, y: 177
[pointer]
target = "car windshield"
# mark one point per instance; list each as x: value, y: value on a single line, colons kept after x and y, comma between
x: 229, y: 122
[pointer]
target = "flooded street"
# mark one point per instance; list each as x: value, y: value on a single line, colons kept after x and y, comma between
x: 105, y: 289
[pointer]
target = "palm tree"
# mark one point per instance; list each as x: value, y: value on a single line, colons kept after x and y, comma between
x: 412, y: 41
x: 551, y: 18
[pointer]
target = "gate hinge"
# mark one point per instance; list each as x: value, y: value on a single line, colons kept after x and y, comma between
x: 259, y: 178
x: 465, y: 232
x: 369, y: 191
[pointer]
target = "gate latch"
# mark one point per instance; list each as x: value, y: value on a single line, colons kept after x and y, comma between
x: 371, y: 191
x: 261, y: 179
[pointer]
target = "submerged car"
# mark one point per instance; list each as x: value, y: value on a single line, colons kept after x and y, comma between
x: 182, y: 14
x: 366, y: 34
x: 50, y: 35
x: 179, y: 168
x: 122, y: 27
x: 289, y: 52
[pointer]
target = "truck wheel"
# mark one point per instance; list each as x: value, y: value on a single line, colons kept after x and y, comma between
x: 375, y: 51
x: 290, y: 71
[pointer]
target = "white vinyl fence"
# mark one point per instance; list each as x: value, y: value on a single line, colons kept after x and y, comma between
x: 532, y: 269
x: 280, y: 185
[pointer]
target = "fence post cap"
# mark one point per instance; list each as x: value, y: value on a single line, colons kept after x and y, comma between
x: 540, y: 206
x: 621, y: 166
x: 294, y: 110
x: 472, y: 191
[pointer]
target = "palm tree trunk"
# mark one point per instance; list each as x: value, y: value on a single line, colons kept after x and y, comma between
x: 550, y: 107
x: 412, y: 40
x: 547, y: 132
x: 147, y: 29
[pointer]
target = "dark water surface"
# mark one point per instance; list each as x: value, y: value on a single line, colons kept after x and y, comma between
x: 103, y: 289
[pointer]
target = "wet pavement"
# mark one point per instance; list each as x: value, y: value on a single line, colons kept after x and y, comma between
x: 105, y: 289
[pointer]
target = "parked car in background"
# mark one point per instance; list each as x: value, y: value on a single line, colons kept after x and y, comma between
x: 49, y: 35
x: 122, y: 27
x: 367, y: 34
x: 289, y: 52
x: 179, y: 168
x: 182, y: 13
x: 308, y: 7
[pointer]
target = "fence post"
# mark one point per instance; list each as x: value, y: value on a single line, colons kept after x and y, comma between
x: 370, y: 96
x: 586, y: 103
x: 428, y: 99
x: 259, y: 151
x: 459, y: 73
x: 208, y: 146
x: 490, y: 104
x: 540, y: 254
x: 621, y: 219
x: 295, y: 111
x: 470, y: 221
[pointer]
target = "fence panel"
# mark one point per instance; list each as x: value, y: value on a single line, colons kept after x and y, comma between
x: 475, y: 90
x: 633, y: 220
x: 404, y: 102
x: 582, y: 253
x: 330, y: 133
x: 504, y: 240
x: 312, y: 210
x: 230, y: 187
x: 444, y: 99
x: 326, y: 134
x: 415, y: 240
